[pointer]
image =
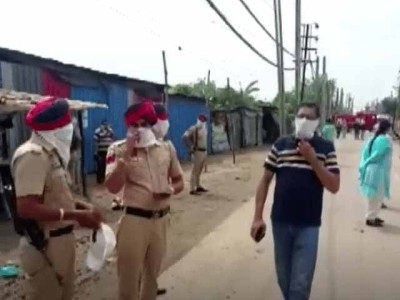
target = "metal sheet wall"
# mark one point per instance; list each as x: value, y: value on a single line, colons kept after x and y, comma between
x: 115, y: 96
x: 183, y: 113
x: 249, y: 123
x: 25, y: 79
x: 93, y: 118
x: 235, y: 129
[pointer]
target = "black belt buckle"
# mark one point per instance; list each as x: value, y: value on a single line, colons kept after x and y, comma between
x: 61, y: 231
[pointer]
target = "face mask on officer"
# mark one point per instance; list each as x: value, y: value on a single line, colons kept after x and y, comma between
x: 64, y: 135
x: 161, y: 128
x: 143, y: 134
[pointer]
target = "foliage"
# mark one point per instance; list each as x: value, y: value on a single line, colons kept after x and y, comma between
x: 219, y: 98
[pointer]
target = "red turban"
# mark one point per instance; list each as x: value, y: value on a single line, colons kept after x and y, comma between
x: 49, y: 114
x: 140, y: 111
x: 202, y: 118
x: 161, y: 112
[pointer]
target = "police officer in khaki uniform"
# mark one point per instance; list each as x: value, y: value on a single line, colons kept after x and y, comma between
x: 43, y: 195
x: 195, y: 139
x: 149, y: 172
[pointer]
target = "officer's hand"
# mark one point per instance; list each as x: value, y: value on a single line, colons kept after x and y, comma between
x: 258, y: 229
x: 88, y: 219
x: 132, y: 138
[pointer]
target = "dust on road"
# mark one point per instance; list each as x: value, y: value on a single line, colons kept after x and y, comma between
x: 192, y: 218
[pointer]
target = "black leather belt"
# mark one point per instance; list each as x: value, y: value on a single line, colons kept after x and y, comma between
x: 201, y: 149
x: 149, y: 214
x: 61, y: 231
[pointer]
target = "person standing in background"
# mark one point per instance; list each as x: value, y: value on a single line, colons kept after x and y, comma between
x: 329, y: 131
x: 195, y: 139
x: 345, y: 128
x: 338, y: 125
x: 357, y: 128
x: 374, y: 172
x: 362, y: 128
x: 74, y: 166
x: 103, y: 138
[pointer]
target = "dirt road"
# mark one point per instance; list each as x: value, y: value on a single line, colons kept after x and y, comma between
x: 192, y: 219
x: 354, y: 262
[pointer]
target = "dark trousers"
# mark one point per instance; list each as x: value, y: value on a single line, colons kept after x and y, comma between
x: 295, y: 258
x: 101, y: 167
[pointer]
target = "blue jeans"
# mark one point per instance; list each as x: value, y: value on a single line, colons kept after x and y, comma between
x: 295, y: 258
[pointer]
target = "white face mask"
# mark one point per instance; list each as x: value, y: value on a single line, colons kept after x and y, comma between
x: 201, y: 125
x: 304, y: 128
x: 161, y: 128
x: 61, y: 140
x: 146, y: 137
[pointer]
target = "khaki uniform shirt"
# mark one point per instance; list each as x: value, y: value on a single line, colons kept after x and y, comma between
x: 201, y: 137
x: 149, y: 171
x: 38, y: 171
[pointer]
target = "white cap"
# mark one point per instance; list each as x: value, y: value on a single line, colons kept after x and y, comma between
x: 100, y: 250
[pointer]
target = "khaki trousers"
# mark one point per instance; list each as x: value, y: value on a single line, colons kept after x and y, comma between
x: 51, y: 278
x: 199, y: 160
x: 141, y: 246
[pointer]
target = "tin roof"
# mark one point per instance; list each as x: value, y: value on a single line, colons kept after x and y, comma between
x: 12, y: 101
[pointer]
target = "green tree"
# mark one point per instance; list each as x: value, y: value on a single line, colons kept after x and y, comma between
x: 219, y: 97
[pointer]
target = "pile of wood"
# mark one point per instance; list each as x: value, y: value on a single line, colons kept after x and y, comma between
x: 12, y: 101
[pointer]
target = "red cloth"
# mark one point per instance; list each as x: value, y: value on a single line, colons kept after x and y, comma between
x: 143, y: 110
x: 54, y: 86
x: 202, y: 118
x: 49, y: 114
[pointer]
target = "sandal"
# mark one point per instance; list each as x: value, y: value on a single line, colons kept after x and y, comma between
x: 373, y: 223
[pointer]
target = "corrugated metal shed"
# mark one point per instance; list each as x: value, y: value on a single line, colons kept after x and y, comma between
x: 183, y: 112
x: 249, y: 123
x: 20, y: 78
x: 93, y: 117
x: 115, y: 97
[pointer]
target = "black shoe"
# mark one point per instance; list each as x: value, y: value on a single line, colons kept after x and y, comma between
x: 384, y: 206
x: 373, y: 223
x: 201, y: 190
x: 161, y: 292
x: 195, y: 193
x: 379, y: 220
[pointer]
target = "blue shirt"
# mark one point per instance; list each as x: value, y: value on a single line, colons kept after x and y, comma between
x: 298, y: 192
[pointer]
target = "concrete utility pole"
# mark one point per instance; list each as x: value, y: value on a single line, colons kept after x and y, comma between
x: 298, y: 49
x: 324, y: 102
x: 279, y: 55
x: 232, y: 125
x: 317, y: 68
x: 166, y: 97
x: 341, y: 100
x: 303, y: 84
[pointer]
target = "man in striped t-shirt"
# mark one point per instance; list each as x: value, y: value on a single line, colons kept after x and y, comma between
x: 304, y: 164
x: 103, y: 137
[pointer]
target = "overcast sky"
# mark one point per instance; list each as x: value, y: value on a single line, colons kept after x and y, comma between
x: 127, y: 37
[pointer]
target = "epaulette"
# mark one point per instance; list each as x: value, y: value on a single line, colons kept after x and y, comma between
x: 118, y: 147
x: 27, y: 148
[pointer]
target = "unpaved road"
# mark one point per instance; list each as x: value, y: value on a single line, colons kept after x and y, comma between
x: 192, y: 219
x: 355, y: 261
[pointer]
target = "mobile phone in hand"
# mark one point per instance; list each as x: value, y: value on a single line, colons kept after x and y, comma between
x: 260, y: 234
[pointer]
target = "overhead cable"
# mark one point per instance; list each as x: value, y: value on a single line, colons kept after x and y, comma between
x: 263, y: 27
x: 247, y: 43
